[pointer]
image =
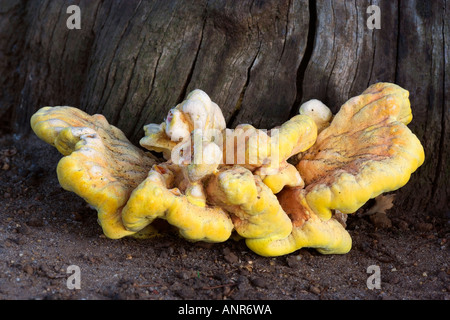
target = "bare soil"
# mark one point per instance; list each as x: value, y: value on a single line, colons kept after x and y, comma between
x: 45, y: 229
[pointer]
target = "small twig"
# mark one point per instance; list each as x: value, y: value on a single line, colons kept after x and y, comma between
x: 219, y: 286
x: 231, y: 292
x: 54, y: 276
x: 146, y: 285
x: 232, y: 270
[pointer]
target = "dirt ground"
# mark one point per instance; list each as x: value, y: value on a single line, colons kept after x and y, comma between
x: 45, y: 229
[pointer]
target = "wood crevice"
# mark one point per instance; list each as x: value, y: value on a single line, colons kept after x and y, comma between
x: 307, y: 55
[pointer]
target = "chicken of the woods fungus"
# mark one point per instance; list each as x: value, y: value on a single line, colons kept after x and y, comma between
x: 99, y: 164
x: 215, y: 181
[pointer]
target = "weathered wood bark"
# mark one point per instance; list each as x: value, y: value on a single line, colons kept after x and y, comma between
x: 259, y: 60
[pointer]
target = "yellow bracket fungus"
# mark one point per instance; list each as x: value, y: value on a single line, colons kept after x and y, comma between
x: 366, y: 150
x: 216, y: 180
x: 156, y: 197
x: 318, y: 111
x: 255, y: 210
x: 99, y: 164
x: 308, y: 230
x: 266, y: 154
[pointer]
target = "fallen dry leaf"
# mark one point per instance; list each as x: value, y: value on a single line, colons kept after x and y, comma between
x: 341, y: 217
x: 382, y: 204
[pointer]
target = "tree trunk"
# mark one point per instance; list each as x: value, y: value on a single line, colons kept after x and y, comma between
x: 259, y: 60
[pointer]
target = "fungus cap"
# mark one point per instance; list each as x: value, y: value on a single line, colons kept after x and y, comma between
x: 318, y: 111
x: 308, y: 230
x: 99, y: 164
x: 255, y: 210
x: 156, y: 198
x: 366, y: 150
